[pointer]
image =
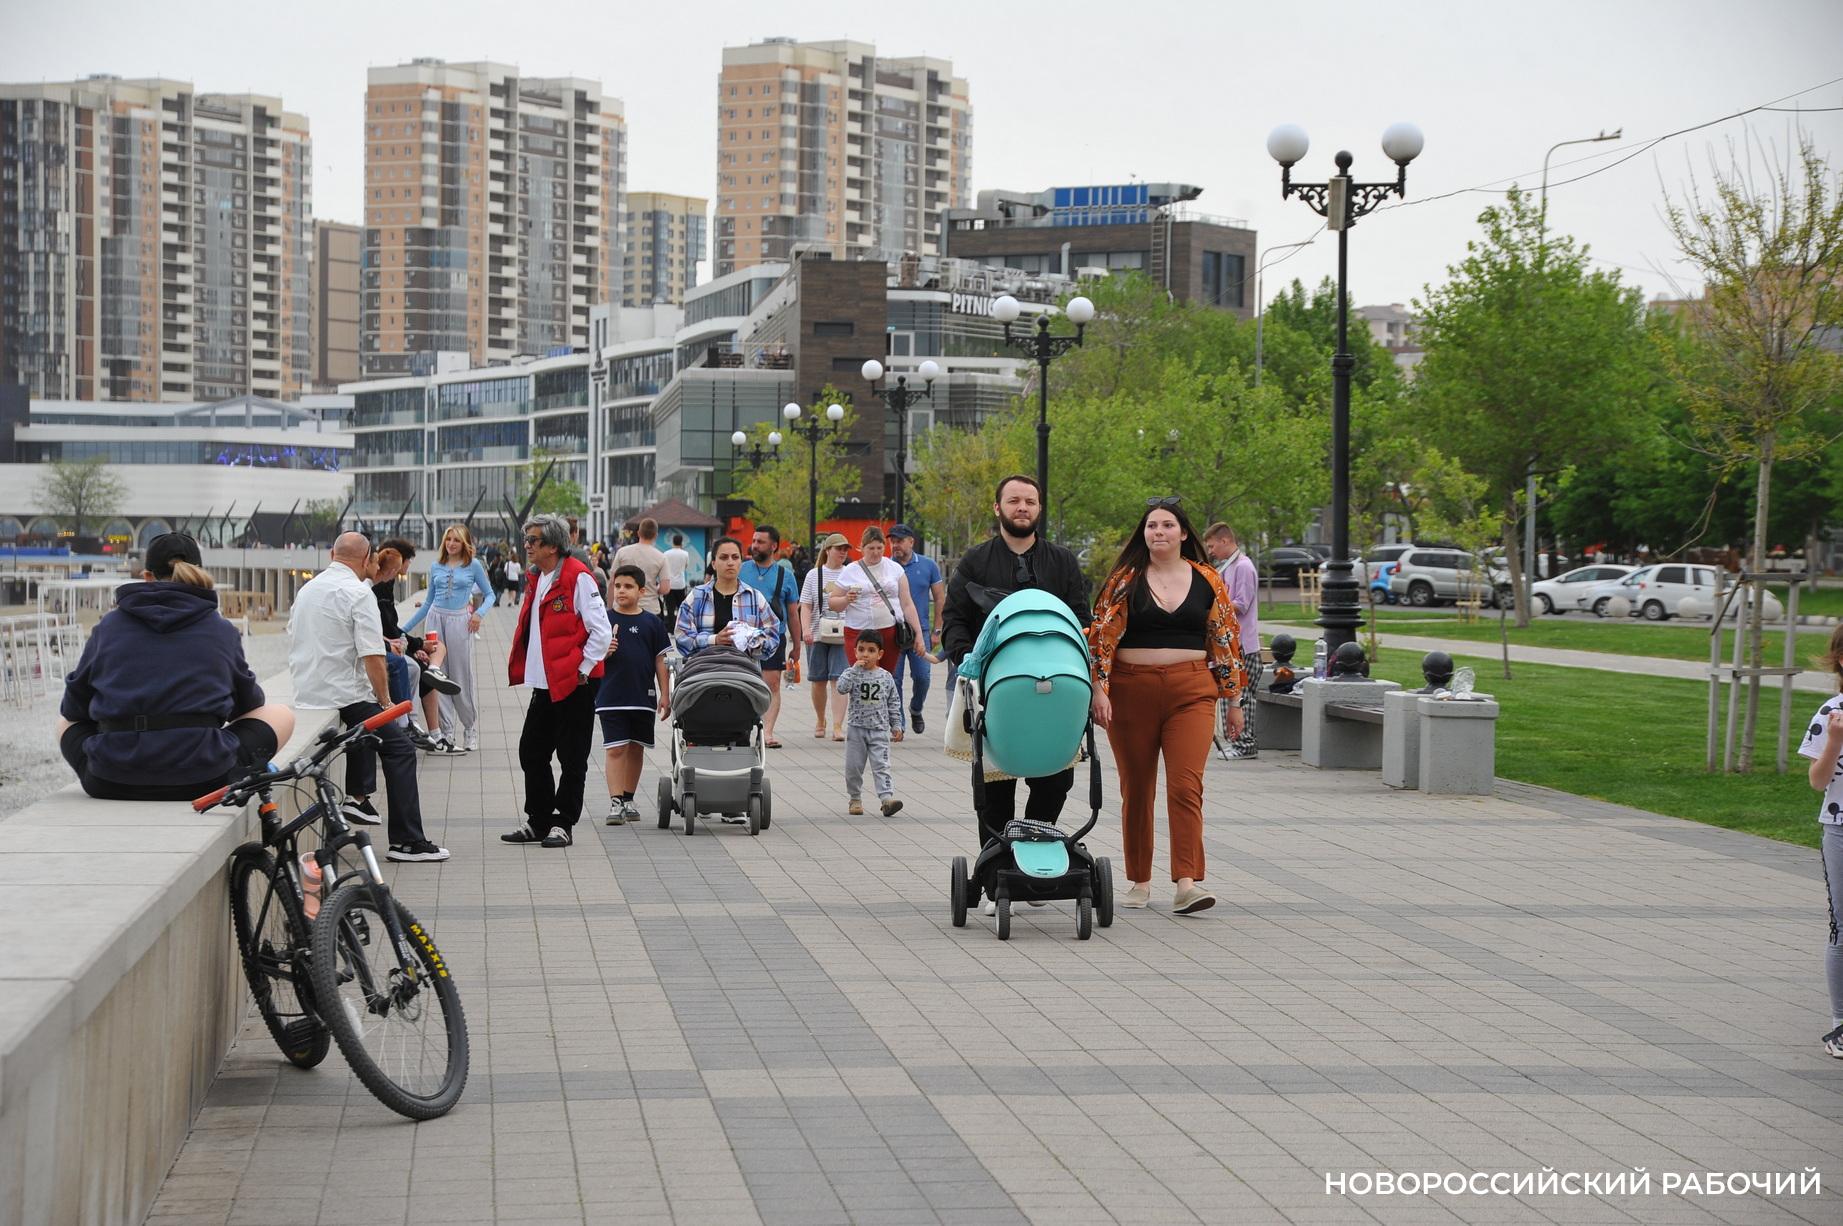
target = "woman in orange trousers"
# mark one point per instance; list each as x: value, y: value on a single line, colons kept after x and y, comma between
x: 1166, y: 647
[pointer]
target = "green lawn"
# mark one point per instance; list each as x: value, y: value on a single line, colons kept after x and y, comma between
x: 1690, y: 642
x: 1636, y: 741
x: 1825, y: 602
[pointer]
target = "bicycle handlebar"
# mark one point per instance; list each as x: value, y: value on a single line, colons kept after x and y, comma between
x: 387, y: 715
x: 330, y: 744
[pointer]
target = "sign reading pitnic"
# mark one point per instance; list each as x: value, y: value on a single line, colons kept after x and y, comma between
x: 970, y: 304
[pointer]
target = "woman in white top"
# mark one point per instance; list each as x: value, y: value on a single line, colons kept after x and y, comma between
x: 825, y: 662
x: 873, y: 594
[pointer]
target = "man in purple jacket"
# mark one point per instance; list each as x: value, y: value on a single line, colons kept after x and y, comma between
x: 1244, y: 584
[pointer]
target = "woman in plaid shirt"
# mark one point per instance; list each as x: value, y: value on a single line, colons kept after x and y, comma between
x: 704, y: 619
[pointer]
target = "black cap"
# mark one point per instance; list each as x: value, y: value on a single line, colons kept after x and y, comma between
x: 168, y: 548
x: 903, y: 530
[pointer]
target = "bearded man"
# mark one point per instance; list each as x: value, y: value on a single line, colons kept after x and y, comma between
x: 1016, y: 558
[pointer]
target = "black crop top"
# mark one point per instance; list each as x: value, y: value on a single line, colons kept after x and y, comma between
x: 1186, y: 628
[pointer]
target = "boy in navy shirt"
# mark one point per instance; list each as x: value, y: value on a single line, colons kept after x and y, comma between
x: 635, y: 688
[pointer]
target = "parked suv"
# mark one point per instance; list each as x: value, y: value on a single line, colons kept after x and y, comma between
x: 1440, y: 576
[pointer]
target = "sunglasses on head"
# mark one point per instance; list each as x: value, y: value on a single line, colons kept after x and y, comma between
x: 1168, y: 502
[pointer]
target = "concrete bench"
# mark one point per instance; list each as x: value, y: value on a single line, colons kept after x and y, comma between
x: 120, y: 992
x: 1276, y: 720
x: 1341, y: 723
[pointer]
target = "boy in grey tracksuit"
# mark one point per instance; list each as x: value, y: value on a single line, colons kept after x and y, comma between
x: 872, y: 708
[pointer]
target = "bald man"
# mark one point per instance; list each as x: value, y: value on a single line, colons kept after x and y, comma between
x: 336, y: 654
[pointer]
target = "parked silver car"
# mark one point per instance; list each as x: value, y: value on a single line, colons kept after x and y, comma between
x: 1441, y: 576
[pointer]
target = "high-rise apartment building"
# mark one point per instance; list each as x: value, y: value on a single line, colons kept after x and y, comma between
x: 493, y: 207
x: 666, y: 237
x: 338, y: 252
x: 828, y: 146
x: 154, y: 242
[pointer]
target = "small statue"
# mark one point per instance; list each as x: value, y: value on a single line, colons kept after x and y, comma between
x: 1348, y: 663
x: 1284, y: 675
x: 1437, y: 668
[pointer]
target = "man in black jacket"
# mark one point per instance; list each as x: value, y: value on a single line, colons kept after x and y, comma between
x: 1018, y: 557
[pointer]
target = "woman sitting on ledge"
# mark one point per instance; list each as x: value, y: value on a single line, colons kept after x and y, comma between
x: 163, y: 706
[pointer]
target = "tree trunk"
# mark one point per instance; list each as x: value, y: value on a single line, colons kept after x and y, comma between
x: 1756, y: 614
x: 1513, y: 560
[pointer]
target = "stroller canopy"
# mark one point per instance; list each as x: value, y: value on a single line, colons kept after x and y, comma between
x: 720, y: 695
x: 1032, y: 664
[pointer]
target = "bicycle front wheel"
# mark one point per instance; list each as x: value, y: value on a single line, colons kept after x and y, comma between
x: 272, y: 935
x: 403, y: 1033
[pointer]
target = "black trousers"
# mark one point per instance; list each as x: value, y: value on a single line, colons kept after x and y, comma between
x: 1047, y: 792
x: 401, y: 794
x: 563, y: 730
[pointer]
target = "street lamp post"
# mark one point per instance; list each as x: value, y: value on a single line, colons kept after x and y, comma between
x: 755, y: 456
x: 1043, y: 347
x: 812, y: 431
x: 1542, y: 239
x: 1260, y: 302
x: 1341, y: 201
x: 898, y: 399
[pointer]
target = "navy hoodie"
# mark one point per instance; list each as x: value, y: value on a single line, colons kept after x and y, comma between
x: 162, y: 651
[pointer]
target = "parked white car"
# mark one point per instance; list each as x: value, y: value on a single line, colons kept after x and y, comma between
x: 1661, y: 591
x: 1566, y: 593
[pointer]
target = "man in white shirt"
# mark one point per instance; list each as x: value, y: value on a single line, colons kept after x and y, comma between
x: 563, y: 634
x: 336, y: 653
x: 645, y: 554
x: 678, y: 567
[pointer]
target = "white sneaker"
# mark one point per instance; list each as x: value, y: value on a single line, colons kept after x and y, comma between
x: 990, y: 908
x: 630, y: 811
x: 473, y: 739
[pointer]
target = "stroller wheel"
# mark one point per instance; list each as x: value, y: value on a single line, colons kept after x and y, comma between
x: 767, y: 805
x: 1103, y: 891
x: 755, y: 816
x: 1004, y: 919
x: 664, y: 798
x: 1084, y: 918
x: 956, y: 890
x: 689, y: 811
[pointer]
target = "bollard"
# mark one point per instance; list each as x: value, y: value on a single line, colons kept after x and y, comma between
x: 1458, y: 745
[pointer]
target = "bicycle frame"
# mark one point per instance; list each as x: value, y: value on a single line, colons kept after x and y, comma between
x: 327, y: 809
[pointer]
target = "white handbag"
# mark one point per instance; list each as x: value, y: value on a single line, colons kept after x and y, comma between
x: 830, y: 626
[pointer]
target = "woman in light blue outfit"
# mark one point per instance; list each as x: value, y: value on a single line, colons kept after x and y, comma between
x: 454, y: 580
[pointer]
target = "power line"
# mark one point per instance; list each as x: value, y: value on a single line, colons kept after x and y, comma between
x: 1487, y: 187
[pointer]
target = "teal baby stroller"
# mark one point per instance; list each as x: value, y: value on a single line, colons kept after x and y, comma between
x: 1028, y: 717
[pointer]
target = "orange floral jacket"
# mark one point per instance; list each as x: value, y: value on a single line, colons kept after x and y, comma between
x: 1222, y: 638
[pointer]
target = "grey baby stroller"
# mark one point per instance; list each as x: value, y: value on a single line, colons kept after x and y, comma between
x: 717, y: 760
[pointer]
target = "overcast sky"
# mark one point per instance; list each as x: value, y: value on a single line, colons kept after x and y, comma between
x: 1183, y: 92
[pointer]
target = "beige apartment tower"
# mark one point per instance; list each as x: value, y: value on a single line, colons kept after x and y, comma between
x: 666, y: 237
x: 155, y: 242
x: 827, y: 145
x: 493, y: 207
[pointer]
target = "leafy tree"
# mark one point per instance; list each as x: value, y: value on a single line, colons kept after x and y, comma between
x: 1313, y: 319
x: 80, y: 490
x: 1533, y: 363
x: 955, y: 473
x: 1769, y: 251
x: 560, y: 495
x: 780, y: 489
x: 319, y: 519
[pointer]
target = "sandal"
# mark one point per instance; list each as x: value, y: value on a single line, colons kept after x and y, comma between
x: 838, y: 734
x: 819, y: 733
x: 772, y: 743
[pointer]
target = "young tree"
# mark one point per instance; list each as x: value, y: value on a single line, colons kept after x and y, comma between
x: 81, y: 490
x: 955, y: 473
x: 560, y: 495
x: 1533, y: 363
x: 1769, y: 250
x: 780, y: 489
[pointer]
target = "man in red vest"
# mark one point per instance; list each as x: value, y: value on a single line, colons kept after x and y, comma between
x: 556, y: 661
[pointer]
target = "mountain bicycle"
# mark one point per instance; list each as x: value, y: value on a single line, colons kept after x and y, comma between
x: 338, y: 958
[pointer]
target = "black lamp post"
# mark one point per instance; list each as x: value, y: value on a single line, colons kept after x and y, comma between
x: 1340, y: 201
x: 755, y: 456
x: 1043, y: 347
x: 898, y: 399
x: 812, y: 431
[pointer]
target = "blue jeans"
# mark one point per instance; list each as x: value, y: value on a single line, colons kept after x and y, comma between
x: 924, y: 673
x: 398, y: 668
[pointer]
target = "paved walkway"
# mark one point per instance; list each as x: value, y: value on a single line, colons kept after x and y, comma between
x: 786, y: 1029
x: 1649, y: 666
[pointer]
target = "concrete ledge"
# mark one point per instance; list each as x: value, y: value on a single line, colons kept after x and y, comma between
x: 120, y: 992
